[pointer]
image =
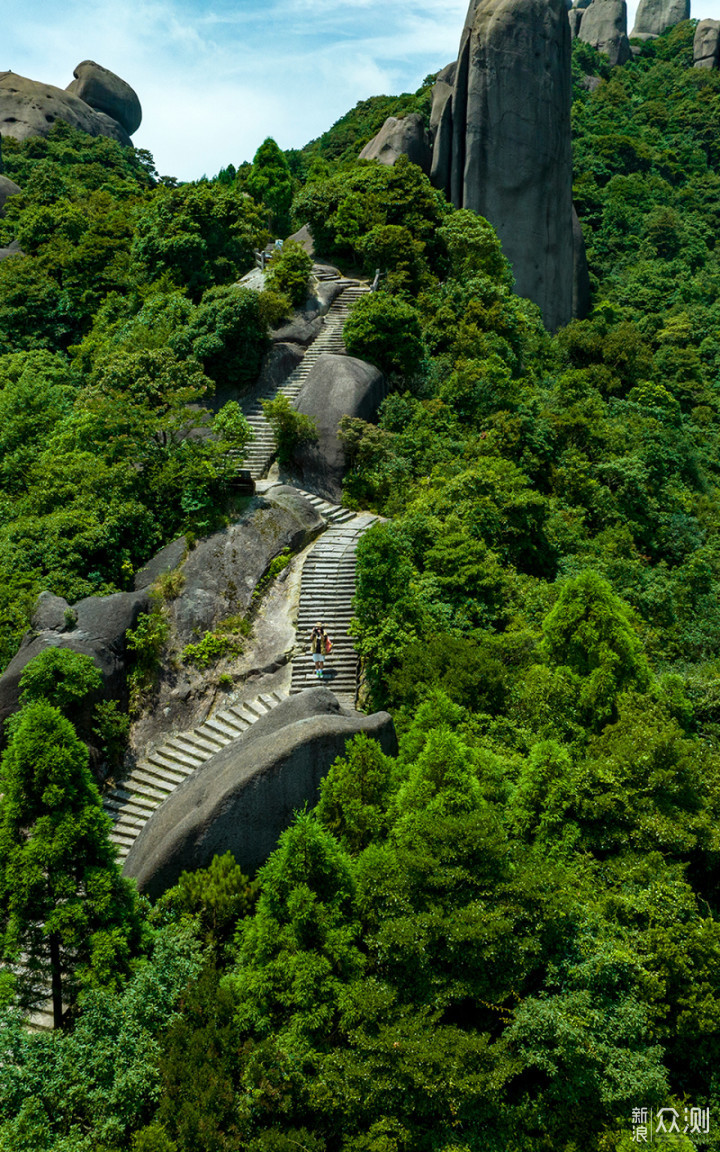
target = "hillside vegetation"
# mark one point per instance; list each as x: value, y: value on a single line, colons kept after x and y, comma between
x: 508, y: 938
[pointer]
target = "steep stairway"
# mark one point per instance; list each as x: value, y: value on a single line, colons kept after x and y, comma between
x: 261, y: 450
x: 326, y: 592
x: 133, y: 799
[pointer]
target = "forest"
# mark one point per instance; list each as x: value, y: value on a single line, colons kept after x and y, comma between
x: 507, y: 938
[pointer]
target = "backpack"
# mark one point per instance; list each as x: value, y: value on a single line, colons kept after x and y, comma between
x: 328, y: 645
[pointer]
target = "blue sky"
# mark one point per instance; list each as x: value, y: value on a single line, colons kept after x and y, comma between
x: 216, y: 78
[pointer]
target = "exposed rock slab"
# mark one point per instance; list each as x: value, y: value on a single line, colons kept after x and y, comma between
x: 222, y: 571
x: 654, y: 16
x: 405, y: 136
x: 29, y: 108
x: 336, y: 386
x: 706, y: 44
x: 107, y: 93
x: 245, y: 796
x: 604, y: 26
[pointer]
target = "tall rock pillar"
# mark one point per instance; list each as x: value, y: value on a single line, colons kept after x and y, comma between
x: 510, y: 159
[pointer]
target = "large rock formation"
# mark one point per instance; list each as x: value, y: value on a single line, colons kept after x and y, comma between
x: 400, y: 137
x: 246, y: 795
x: 335, y: 386
x: 107, y: 93
x: 604, y: 25
x: 654, y: 16
x: 95, y: 626
x: 29, y: 108
x: 706, y: 45
x: 502, y: 142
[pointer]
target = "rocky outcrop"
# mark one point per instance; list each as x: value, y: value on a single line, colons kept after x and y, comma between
x: 575, y: 18
x: 441, y: 127
x: 706, y: 45
x: 502, y: 142
x: 405, y: 136
x: 336, y: 386
x: 29, y: 108
x: 654, y: 16
x: 247, y: 794
x: 96, y: 627
x: 604, y: 26
x: 222, y: 572
x: 107, y: 93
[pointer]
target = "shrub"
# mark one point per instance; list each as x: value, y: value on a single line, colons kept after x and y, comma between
x: 290, y: 428
x: 290, y: 272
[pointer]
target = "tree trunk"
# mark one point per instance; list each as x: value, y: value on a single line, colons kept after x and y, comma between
x: 56, y: 980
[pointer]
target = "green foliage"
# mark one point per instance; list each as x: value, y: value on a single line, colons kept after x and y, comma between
x: 269, y: 183
x: 227, y: 334
x: 290, y: 428
x: 219, y: 896
x: 289, y: 272
x: 343, y: 209
x: 63, y: 903
x: 211, y: 648
x: 90, y: 1088
x: 63, y: 678
x: 386, y: 332
x: 201, y: 234
x: 276, y: 566
x: 146, y: 641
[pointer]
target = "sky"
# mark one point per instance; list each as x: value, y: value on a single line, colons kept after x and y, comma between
x: 216, y: 77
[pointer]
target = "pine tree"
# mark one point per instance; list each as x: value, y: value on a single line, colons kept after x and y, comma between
x: 66, y: 913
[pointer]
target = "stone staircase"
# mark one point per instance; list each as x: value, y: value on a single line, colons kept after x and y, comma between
x: 261, y: 450
x: 326, y: 593
x: 133, y: 799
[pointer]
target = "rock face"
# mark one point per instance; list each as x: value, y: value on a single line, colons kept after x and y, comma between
x: 336, y: 386
x: 502, y: 143
x: 706, y: 45
x: 29, y: 108
x: 654, y: 16
x: 95, y: 626
x: 245, y: 796
x: 222, y: 572
x: 107, y: 93
x: 575, y: 18
x: 400, y: 137
x: 604, y: 25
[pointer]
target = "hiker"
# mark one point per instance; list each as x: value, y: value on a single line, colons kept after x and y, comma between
x: 320, y: 646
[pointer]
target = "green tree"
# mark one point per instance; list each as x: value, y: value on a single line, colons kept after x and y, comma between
x: 270, y: 183
x: 594, y: 634
x: 201, y: 234
x: 385, y: 331
x: 227, y: 334
x: 65, y: 909
x: 290, y: 271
